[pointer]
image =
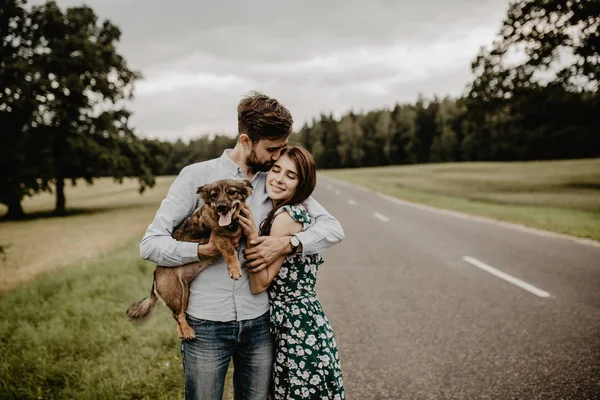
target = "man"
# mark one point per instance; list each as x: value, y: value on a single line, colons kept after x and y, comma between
x: 229, y: 321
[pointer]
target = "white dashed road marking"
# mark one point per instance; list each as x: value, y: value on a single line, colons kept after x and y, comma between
x: 509, y: 278
x: 381, y: 217
x: 351, y: 202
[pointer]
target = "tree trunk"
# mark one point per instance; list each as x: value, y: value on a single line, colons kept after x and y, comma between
x: 58, y: 146
x: 60, y: 196
x: 15, y: 209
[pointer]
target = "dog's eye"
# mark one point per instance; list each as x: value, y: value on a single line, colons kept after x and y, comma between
x: 232, y: 192
x: 214, y: 195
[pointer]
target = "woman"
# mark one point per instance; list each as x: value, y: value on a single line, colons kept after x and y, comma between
x: 306, y: 364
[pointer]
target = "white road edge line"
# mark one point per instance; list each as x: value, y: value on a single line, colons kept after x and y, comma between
x: 381, y: 217
x: 351, y: 202
x: 509, y: 278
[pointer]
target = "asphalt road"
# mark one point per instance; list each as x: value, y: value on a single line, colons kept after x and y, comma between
x: 421, y: 309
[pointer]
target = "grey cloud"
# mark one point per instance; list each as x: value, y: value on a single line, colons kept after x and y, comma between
x: 155, y: 30
x: 199, y: 57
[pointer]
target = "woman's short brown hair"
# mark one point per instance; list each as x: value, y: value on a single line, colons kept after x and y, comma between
x: 261, y: 117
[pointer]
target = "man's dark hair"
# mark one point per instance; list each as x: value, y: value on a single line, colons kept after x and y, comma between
x: 261, y: 117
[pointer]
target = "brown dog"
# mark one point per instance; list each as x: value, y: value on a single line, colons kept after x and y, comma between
x: 222, y: 200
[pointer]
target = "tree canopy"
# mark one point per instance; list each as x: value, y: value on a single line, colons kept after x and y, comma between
x: 63, y: 81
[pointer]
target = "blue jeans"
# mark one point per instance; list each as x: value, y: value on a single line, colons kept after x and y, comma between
x: 206, y: 358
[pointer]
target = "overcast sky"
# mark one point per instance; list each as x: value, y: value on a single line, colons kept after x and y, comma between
x: 199, y: 58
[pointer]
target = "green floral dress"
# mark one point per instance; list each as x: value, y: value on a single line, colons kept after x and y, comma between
x: 306, y: 365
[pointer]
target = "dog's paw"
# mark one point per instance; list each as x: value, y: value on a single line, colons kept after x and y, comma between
x: 187, y: 333
x: 235, y: 273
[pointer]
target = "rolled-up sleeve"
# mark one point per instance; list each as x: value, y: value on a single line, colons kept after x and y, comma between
x: 326, y: 231
x: 157, y: 245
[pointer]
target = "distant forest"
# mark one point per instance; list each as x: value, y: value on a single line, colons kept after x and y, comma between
x: 543, y: 125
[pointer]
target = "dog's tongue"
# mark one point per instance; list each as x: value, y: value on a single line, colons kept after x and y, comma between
x: 225, y: 219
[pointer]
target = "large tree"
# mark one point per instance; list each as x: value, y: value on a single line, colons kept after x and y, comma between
x: 69, y: 82
x: 22, y: 151
x: 541, y: 42
x: 83, y: 72
x: 536, y: 89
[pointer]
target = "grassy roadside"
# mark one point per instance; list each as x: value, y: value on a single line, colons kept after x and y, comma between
x: 66, y: 336
x: 559, y: 196
x: 101, y: 217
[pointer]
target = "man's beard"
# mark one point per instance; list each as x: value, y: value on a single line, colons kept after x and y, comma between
x: 253, y: 163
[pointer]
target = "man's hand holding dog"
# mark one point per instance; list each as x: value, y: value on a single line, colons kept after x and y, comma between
x: 266, y: 250
x: 262, y: 250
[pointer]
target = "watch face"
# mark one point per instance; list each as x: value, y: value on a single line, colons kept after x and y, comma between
x: 294, y: 240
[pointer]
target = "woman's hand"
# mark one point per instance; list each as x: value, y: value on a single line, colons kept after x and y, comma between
x: 246, y: 220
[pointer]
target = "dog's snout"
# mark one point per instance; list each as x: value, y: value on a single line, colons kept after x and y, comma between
x: 222, y: 207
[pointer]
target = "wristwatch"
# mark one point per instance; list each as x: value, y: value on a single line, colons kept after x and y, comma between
x: 295, y: 242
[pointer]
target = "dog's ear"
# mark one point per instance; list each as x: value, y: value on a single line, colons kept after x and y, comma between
x: 204, y: 192
x: 248, y: 187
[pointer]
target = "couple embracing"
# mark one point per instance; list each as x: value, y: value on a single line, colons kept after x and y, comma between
x: 269, y: 321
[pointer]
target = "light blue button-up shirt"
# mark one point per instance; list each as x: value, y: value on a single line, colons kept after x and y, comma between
x: 214, y: 295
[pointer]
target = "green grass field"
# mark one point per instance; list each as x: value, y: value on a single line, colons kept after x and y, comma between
x: 559, y: 196
x: 65, y: 285
x: 65, y: 282
x: 66, y: 336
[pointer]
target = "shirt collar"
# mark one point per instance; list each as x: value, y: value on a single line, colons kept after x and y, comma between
x: 232, y: 167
